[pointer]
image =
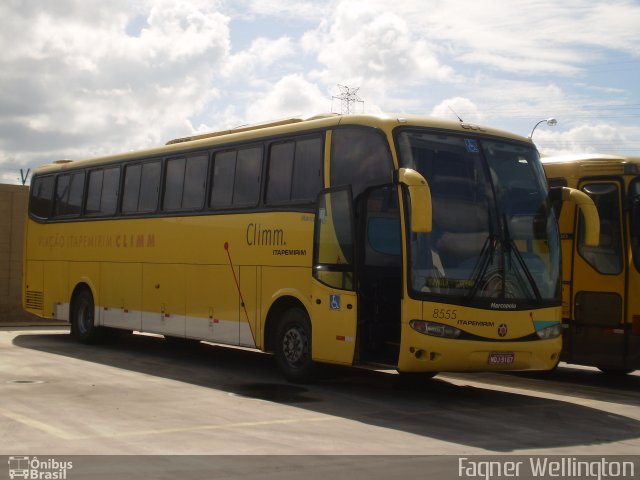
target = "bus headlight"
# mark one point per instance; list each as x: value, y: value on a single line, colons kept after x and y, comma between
x: 550, y: 332
x: 435, y: 329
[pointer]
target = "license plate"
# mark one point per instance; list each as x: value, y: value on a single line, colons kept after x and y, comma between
x: 501, y: 358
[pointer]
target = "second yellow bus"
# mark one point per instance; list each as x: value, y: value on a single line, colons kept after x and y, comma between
x: 601, y: 284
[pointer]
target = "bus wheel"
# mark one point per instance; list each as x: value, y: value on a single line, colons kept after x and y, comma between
x: 293, y: 345
x: 83, y: 327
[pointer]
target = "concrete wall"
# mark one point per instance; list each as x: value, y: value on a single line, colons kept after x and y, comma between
x: 13, y: 211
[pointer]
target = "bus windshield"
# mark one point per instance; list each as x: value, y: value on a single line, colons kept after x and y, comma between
x: 495, y: 237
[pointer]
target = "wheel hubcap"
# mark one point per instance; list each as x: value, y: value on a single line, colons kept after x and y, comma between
x: 294, y: 346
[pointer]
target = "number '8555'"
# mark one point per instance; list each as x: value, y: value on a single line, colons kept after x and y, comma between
x: 445, y: 314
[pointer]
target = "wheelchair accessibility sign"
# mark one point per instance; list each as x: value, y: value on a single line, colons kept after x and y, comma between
x: 334, y: 302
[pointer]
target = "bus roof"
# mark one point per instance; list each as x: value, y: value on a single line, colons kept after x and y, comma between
x: 255, y: 132
x: 591, y: 164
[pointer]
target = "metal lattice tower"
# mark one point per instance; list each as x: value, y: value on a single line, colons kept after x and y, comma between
x: 348, y: 99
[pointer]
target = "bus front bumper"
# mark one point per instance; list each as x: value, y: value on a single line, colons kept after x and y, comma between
x: 422, y: 353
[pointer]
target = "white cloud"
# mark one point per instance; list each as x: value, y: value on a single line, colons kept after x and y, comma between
x: 366, y: 43
x: 534, y: 37
x: 461, y: 107
x: 262, y: 54
x: 81, y: 77
x: 297, y: 9
x: 424, y: 37
x: 11, y: 176
x: 597, y: 138
x: 516, y: 99
x: 607, y: 24
x: 181, y: 30
x: 390, y: 50
x: 291, y: 96
x: 98, y: 89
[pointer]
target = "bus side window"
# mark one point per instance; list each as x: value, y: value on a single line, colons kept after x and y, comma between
x: 69, y: 192
x: 359, y: 157
x: 131, y: 192
x: 42, y: 196
x: 295, y: 171
x: 195, y: 178
x: 606, y: 258
x: 307, y: 169
x: 94, y: 192
x: 110, y: 187
x: 102, y: 191
x: 149, y: 187
x: 184, y: 185
x: 141, y: 186
x: 246, y: 185
x: 224, y: 170
x: 174, y: 184
x: 280, y: 170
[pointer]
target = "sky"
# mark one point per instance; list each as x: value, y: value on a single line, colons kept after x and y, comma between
x: 84, y: 78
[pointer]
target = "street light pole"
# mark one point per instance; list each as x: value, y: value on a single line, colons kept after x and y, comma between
x: 551, y: 121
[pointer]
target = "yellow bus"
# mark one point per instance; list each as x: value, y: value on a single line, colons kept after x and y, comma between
x: 601, y: 285
x: 377, y: 241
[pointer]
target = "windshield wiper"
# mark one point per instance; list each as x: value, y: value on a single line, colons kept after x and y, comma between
x: 484, y: 260
x: 511, y: 247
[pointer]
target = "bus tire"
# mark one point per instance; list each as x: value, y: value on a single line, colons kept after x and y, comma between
x: 83, y: 327
x: 293, y: 345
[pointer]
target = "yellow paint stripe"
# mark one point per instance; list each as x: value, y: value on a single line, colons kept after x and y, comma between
x: 37, y: 424
x: 59, y: 433
x: 214, y: 427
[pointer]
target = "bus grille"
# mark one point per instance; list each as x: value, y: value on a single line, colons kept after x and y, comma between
x: 34, y: 300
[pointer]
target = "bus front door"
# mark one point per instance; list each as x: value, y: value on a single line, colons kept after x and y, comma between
x: 597, y: 333
x: 334, y: 309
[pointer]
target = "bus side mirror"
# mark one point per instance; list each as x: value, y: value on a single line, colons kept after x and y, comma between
x: 555, y: 197
x: 420, y: 196
x: 588, y: 209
